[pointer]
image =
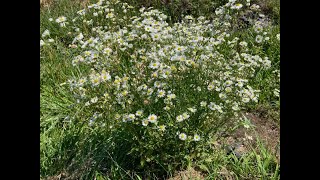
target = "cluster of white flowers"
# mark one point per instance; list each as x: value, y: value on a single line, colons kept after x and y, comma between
x: 183, y: 137
x: 149, y: 72
x: 62, y: 21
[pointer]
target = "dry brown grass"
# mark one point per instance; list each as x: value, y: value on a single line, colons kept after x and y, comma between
x: 49, y: 3
x: 189, y: 174
x: 45, y: 3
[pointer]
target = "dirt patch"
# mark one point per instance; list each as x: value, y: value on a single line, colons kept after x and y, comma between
x: 267, y: 131
x: 188, y: 175
x: 45, y: 3
x: 268, y: 113
x: 226, y: 174
x: 49, y: 3
x: 61, y: 176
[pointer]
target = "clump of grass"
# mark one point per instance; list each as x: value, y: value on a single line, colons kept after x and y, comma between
x: 258, y: 162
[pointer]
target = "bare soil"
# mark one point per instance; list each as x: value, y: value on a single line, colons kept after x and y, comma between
x: 187, y: 175
x: 264, y: 129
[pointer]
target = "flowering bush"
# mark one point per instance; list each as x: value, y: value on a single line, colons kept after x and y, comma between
x: 166, y: 90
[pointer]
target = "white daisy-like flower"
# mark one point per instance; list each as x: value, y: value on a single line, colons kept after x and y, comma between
x: 149, y: 91
x: 180, y: 49
x: 82, y: 81
x: 259, y: 38
x: 144, y: 36
x: 258, y: 28
x: 61, y: 19
x: 105, y: 76
x: 152, y: 118
x: 154, y: 65
x: 243, y: 43
x: 157, y: 84
x: 161, y: 93
x: 218, y: 108
x: 166, y: 108
x: 45, y: 33
x: 219, y: 11
x: 42, y: 43
x: 162, y: 128
x: 237, y: 6
x: 254, y: 7
x: 125, y: 118
x: 228, y: 89
x: 185, y: 116
x: 155, y: 36
x: 239, y: 84
x: 171, y: 96
x: 144, y: 87
x: 222, y: 95
x: 50, y: 19
x: 154, y: 74
x: 235, y: 107
x: 109, y: 15
x: 145, y: 122
x: 203, y: 103
x: 139, y: 113
x: 95, y: 80
x: 182, y: 136
x: 179, y: 118
x: 107, y: 51
x: 245, y: 99
x: 117, y: 116
x: 212, y: 106
x: 229, y: 83
x: 81, y: 12
x: 210, y: 87
x: 148, y: 28
x: 278, y: 37
x: 166, y: 73
x: 193, y: 110
x: 131, y: 117
x: 87, y: 53
x: 196, y: 137
x: 94, y: 100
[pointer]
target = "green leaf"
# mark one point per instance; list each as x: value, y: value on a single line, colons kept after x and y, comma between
x: 139, y: 178
x: 142, y: 162
x: 203, y: 167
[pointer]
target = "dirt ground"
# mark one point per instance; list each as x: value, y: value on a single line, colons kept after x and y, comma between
x: 265, y: 129
x: 188, y: 174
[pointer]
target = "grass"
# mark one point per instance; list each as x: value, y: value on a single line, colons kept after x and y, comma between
x: 258, y: 163
x: 77, y: 152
